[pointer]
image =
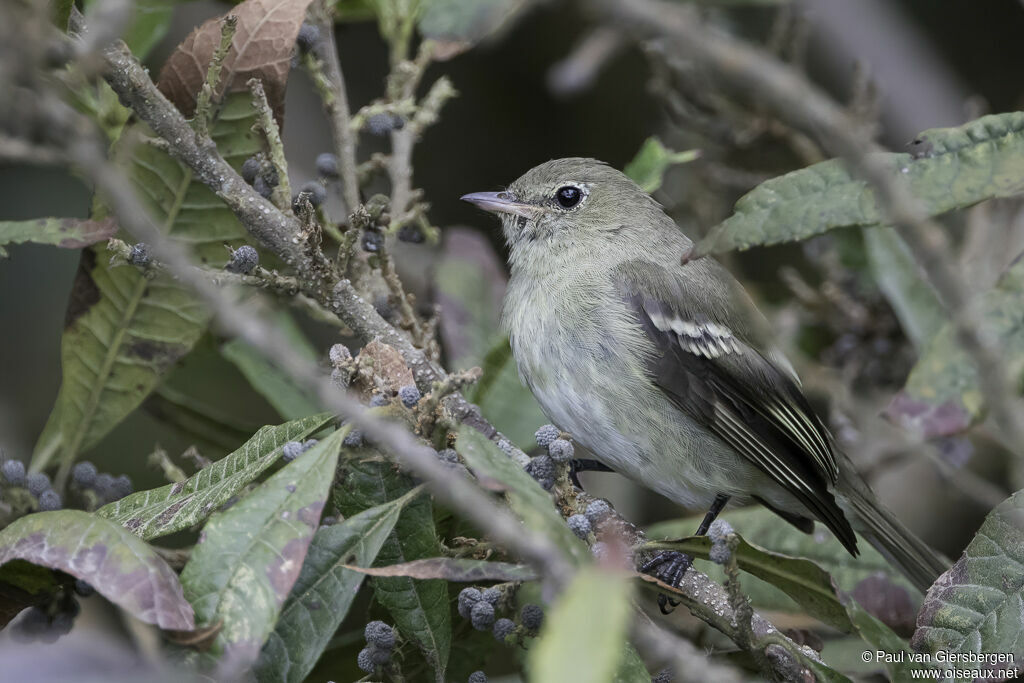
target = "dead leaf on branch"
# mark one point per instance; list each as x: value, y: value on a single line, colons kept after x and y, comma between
x: 261, y: 48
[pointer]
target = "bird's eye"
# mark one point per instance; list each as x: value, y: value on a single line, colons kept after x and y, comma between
x: 568, y: 196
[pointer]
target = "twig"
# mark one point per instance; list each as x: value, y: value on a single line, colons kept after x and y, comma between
x: 335, y: 98
x: 204, y: 113
x: 265, y: 122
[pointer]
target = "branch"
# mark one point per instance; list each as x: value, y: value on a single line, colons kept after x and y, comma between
x: 335, y: 99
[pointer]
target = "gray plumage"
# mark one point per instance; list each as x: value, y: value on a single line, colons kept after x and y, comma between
x: 667, y: 373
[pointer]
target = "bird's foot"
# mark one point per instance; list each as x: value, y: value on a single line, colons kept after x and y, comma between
x: 668, y: 566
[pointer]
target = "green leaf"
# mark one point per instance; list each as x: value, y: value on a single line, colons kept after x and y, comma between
x: 976, y: 605
x: 648, y: 167
x: 324, y: 591
x: 68, y: 233
x: 591, y: 617
x: 126, y: 329
x: 419, y: 607
x: 895, y: 656
x: 525, y: 496
x: 470, y: 283
x: 278, y: 388
x: 631, y: 668
x: 149, y: 24
x: 949, y: 168
x: 915, y: 303
x: 466, y: 22
x: 943, y: 395
x: 161, y: 511
x: 249, y: 556
x: 807, y: 583
x: 119, y: 565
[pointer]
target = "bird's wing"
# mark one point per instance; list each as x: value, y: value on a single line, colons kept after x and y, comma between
x: 712, y: 361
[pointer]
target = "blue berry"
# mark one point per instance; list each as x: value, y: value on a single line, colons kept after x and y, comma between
x: 104, y: 485
x: 546, y: 435
x: 409, y: 395
x: 291, y: 450
x: 354, y: 439
x: 339, y: 353
x: 478, y: 677
x: 373, y: 241
x: 380, y: 635
x: 317, y: 193
x: 384, y: 123
x: 410, y: 233
x: 327, y: 165
x: 503, y: 628
x: 49, y: 500
x: 719, y: 553
x: 262, y: 187
x: 308, y: 37
x: 365, y: 661
x: 719, y: 529
x: 449, y: 456
x: 531, y: 616
x: 250, y: 169
x: 14, y: 472
x: 561, y: 450
x: 243, y: 260
x: 482, y: 615
x: 597, y: 510
x: 580, y: 525
x: 542, y: 468
x: 491, y: 595
x: 122, y: 487
x: 468, y: 597
x: 84, y: 474
x: 37, y: 482
x: 378, y: 400
x: 663, y: 676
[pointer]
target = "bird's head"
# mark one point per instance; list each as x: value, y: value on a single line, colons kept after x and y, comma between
x: 567, y: 203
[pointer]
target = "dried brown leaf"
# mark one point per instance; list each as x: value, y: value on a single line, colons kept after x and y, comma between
x: 262, y: 48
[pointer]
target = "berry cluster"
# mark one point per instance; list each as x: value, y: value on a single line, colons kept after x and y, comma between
x: 481, y: 606
x: 261, y: 174
x: 43, y: 497
x: 380, y: 641
x: 98, y: 488
x: 544, y: 468
x: 47, y: 623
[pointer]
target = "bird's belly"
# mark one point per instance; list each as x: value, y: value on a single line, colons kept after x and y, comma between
x: 634, y: 429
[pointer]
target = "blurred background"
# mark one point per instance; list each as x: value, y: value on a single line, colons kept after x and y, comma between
x: 555, y: 83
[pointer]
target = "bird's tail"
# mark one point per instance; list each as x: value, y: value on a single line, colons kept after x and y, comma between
x: 899, y: 545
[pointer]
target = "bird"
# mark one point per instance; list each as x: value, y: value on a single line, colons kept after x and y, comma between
x: 665, y: 370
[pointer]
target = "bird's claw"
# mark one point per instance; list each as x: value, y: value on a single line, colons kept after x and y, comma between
x: 668, y: 566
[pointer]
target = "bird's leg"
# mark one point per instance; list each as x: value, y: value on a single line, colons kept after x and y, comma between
x: 670, y: 565
x: 585, y: 465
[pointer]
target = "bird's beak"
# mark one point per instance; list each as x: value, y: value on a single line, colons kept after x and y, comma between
x: 500, y: 202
